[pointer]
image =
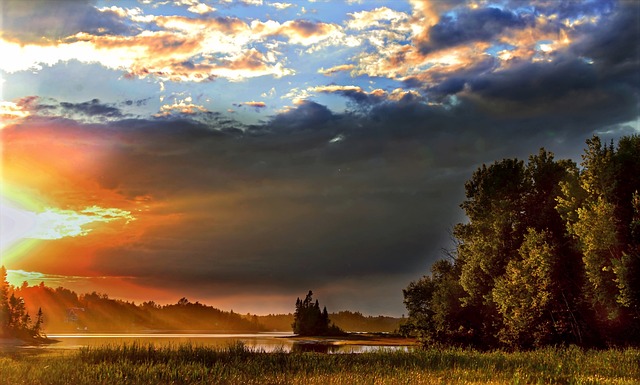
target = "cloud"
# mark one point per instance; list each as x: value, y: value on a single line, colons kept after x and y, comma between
x: 91, y: 108
x: 30, y: 21
x: 281, y: 6
x: 317, y: 196
x: 482, y: 24
x: 90, y: 111
x: 201, y: 9
x: 364, y: 98
x: 376, y: 18
x: 11, y: 112
x: 255, y: 104
x: 309, y: 197
x: 335, y: 69
x: 55, y: 223
x: 181, y: 107
x: 308, y: 115
x: 612, y: 46
x: 177, y: 49
x: 303, y: 32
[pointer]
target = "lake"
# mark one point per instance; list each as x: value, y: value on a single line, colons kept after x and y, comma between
x: 268, y: 342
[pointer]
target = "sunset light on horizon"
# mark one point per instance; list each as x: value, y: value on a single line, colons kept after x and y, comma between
x: 241, y: 153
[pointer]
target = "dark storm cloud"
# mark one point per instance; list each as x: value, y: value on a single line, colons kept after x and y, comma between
x: 468, y: 25
x: 570, y: 9
x: 313, y: 198
x: 137, y: 103
x: 601, y: 71
x: 537, y: 81
x: 614, y: 46
x: 377, y: 202
x: 92, y: 108
x: 54, y: 19
x: 361, y: 99
x: 307, y: 115
x: 450, y: 84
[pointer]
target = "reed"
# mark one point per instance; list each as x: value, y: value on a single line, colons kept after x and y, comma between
x: 236, y: 364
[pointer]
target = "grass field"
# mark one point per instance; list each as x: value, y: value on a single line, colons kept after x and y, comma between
x: 189, y: 364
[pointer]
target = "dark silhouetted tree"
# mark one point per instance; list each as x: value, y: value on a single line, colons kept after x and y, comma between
x: 15, y: 321
x: 308, y: 320
x: 4, y: 302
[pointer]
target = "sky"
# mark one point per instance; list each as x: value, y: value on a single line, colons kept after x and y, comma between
x: 241, y: 153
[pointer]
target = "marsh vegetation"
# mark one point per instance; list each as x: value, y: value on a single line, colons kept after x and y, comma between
x: 236, y: 364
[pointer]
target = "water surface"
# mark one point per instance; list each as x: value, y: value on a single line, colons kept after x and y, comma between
x: 268, y: 342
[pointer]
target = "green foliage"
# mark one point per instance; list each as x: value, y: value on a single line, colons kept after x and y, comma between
x: 524, y: 294
x: 596, y: 231
x: 436, y: 314
x: 550, y: 255
x: 493, y: 206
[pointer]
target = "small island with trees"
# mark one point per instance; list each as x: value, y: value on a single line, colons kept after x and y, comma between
x: 308, y: 320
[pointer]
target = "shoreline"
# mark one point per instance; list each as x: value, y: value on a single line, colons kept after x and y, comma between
x: 355, y: 339
x: 36, y: 341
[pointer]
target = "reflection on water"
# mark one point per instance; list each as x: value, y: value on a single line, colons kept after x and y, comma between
x: 259, y: 341
x: 267, y: 342
x: 300, y: 347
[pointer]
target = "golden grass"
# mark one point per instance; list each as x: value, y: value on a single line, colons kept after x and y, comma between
x: 190, y: 364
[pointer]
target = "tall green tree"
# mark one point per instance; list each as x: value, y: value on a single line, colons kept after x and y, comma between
x: 520, y: 267
x: 525, y: 294
x: 436, y: 314
x: 601, y: 213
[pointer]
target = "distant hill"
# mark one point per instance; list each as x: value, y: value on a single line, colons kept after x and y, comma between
x: 66, y: 311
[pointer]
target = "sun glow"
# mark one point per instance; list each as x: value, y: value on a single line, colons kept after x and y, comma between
x: 11, y: 112
x: 56, y: 223
x: 20, y: 227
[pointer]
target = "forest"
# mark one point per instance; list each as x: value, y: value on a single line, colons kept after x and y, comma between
x: 63, y: 310
x: 549, y: 255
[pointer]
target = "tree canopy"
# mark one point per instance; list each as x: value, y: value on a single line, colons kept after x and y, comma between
x: 550, y: 255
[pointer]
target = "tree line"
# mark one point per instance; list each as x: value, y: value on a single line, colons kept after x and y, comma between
x: 549, y: 255
x: 63, y: 310
x: 15, y: 320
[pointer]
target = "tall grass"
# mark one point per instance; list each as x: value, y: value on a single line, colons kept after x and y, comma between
x: 191, y: 364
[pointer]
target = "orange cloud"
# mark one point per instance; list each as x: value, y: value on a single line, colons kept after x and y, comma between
x: 255, y: 104
x: 75, y: 210
x: 398, y: 54
x: 187, y: 49
x: 335, y: 69
x: 379, y: 94
x: 11, y: 112
x: 301, y: 32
